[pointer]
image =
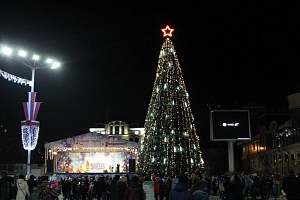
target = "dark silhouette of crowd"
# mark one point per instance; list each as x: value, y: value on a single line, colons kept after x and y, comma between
x: 194, y: 186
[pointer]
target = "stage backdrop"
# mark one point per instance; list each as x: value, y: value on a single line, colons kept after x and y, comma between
x: 94, y: 162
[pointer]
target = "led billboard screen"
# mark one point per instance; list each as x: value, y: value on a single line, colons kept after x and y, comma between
x: 228, y: 125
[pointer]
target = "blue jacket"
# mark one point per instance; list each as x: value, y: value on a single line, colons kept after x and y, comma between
x: 180, y: 192
x: 200, y: 195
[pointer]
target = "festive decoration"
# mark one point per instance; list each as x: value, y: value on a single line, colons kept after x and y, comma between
x: 87, y: 166
x: 71, y: 168
x: 167, y: 31
x: 171, y: 145
x: 30, y: 134
x: 30, y: 127
x: 80, y: 169
x: 15, y: 79
x: 93, y: 162
x: 64, y: 169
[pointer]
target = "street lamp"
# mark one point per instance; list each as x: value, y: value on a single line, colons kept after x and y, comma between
x: 33, y: 63
x: 30, y: 127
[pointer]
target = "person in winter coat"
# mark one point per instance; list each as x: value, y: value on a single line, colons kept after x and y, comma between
x: 209, y: 184
x: 168, y: 187
x: 228, y: 186
x: 100, y: 188
x: 34, y: 195
x: 31, y: 183
x: 66, y: 189
x: 247, y: 182
x: 157, y: 186
x: 84, y: 188
x: 277, y: 185
x: 5, y: 186
x: 291, y: 186
x: 214, y: 185
x: 135, y: 190
x: 23, y: 189
x: 43, y: 188
x: 180, y: 190
x: 74, y: 183
x: 200, y: 190
x: 118, y: 188
x: 222, y: 188
x: 257, y: 190
x: 54, y: 187
x: 108, y: 187
x: 237, y: 186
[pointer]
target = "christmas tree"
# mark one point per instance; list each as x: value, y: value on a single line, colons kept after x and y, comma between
x: 64, y: 169
x: 171, y: 145
x: 87, y: 166
x: 80, y: 169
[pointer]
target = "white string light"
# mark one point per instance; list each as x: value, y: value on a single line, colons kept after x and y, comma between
x: 27, y: 131
x: 15, y: 79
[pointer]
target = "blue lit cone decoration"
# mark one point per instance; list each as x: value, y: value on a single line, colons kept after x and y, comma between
x: 30, y: 127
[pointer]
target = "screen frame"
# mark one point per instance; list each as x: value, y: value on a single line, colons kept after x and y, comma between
x: 211, y: 120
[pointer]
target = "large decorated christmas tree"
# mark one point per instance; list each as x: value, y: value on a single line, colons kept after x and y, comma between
x: 171, y: 145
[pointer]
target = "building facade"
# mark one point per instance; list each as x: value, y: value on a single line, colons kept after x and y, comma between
x: 275, y: 143
x: 120, y: 129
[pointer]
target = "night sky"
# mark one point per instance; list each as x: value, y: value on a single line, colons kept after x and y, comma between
x: 228, y: 52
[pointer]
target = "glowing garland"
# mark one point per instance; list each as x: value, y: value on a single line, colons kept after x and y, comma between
x: 30, y: 134
x: 58, y: 149
x: 15, y: 79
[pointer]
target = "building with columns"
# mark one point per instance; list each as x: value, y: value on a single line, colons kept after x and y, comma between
x: 122, y: 130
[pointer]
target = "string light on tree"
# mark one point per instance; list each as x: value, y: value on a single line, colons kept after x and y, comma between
x: 171, y: 144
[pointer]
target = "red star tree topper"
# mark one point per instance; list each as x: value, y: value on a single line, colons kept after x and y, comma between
x: 167, y: 31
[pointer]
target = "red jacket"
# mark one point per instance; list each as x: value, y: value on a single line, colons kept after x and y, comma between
x: 156, y: 187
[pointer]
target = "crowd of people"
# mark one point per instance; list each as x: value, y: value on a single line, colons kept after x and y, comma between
x: 40, y: 188
x: 193, y: 186
x: 254, y: 187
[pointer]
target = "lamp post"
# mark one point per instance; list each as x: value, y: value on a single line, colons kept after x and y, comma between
x: 30, y: 127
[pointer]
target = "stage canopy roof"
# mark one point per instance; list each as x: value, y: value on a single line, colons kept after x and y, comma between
x: 91, y: 141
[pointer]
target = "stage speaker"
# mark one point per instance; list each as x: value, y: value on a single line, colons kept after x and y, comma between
x: 49, y: 166
x: 131, y: 165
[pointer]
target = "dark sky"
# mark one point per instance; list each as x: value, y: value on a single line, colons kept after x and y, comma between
x: 228, y: 51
